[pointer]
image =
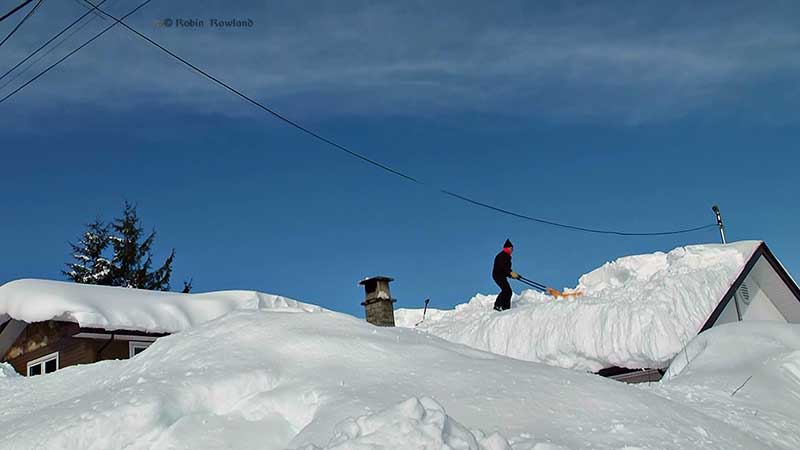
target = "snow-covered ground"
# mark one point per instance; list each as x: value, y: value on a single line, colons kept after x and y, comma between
x: 283, y: 377
x: 745, y: 374
x: 638, y: 311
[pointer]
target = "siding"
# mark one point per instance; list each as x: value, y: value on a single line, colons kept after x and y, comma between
x: 43, y: 338
x: 115, y: 350
x: 39, y: 335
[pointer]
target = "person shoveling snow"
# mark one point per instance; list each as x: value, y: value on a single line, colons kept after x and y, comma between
x: 502, y: 271
x: 500, y: 274
x: 638, y: 311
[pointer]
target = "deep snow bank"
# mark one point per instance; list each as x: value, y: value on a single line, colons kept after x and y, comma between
x: 413, y: 424
x: 7, y: 371
x: 284, y: 378
x: 731, y: 372
x: 130, y: 309
x: 637, y: 311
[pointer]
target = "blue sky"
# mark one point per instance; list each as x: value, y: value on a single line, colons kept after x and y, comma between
x: 592, y: 113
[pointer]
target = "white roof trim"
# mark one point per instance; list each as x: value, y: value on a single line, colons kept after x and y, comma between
x: 762, y: 251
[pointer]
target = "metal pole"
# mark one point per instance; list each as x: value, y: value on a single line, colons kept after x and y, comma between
x: 721, y: 226
x: 427, y: 300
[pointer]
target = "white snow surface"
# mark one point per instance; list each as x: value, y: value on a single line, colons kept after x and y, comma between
x: 414, y: 423
x: 638, y: 311
x: 732, y: 371
x: 6, y: 370
x: 114, y: 308
x: 281, y: 378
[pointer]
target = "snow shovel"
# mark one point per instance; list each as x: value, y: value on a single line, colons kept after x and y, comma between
x: 550, y: 291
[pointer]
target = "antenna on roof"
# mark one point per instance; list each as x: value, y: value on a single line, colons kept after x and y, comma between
x: 721, y: 226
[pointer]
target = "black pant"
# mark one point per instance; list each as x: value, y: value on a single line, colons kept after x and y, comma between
x: 504, y: 297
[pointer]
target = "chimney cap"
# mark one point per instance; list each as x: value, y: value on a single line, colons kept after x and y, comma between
x: 375, y: 278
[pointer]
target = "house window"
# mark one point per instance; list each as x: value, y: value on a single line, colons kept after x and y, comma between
x: 45, y: 364
x: 137, y: 347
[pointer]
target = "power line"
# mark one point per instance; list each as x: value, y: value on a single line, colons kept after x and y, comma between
x: 76, y: 50
x: 49, y: 50
x: 343, y: 148
x: 91, y: 9
x: 262, y: 106
x: 24, y: 19
x: 16, y: 8
x: 56, y: 36
x: 572, y: 227
x: 385, y: 167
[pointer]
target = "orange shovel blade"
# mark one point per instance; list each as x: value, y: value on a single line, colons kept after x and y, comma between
x: 558, y: 294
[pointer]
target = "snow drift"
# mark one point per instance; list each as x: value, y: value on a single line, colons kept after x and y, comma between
x: 114, y: 308
x: 6, y: 370
x: 291, y: 378
x: 732, y: 371
x: 415, y: 423
x: 636, y: 312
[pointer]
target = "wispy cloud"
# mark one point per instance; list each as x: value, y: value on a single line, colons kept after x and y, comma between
x: 603, y: 62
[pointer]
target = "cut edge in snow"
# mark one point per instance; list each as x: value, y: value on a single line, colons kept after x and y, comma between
x: 638, y: 312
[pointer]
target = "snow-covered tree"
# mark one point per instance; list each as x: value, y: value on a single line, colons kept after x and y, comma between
x: 130, y: 262
x: 90, y: 266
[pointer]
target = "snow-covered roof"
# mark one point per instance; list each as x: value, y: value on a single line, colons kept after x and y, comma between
x: 329, y: 381
x: 116, y: 308
x: 638, y: 311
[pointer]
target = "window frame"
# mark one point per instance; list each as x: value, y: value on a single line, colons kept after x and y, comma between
x: 133, y: 345
x: 41, y: 362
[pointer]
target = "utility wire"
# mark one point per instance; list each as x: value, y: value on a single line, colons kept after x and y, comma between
x: 383, y: 166
x: 338, y: 146
x: 49, y: 50
x: 16, y: 8
x: 259, y: 104
x: 51, y: 40
x: 90, y: 8
x: 24, y: 19
x: 76, y: 50
x: 572, y: 227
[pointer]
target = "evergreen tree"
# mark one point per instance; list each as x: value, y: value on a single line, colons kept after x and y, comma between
x: 132, y: 260
x: 187, y: 286
x: 90, y: 266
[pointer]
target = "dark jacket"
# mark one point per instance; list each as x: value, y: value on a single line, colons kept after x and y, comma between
x: 502, y: 266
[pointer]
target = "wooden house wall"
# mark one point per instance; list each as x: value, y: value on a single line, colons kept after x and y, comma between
x: 43, y: 338
x: 115, y: 350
